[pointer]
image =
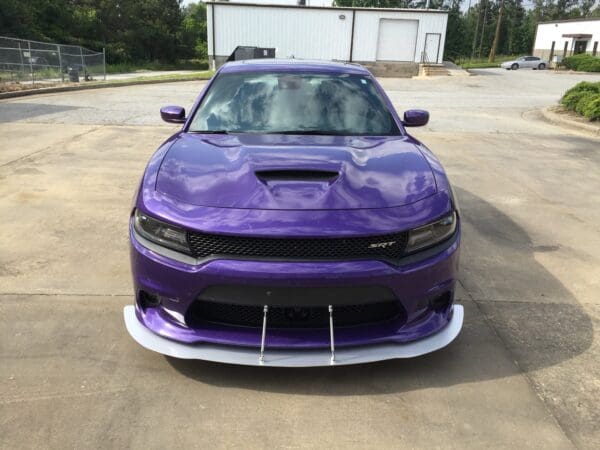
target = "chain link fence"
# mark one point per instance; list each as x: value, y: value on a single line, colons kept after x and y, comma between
x: 31, y: 61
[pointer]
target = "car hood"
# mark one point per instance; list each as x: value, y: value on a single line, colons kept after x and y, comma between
x: 295, y: 172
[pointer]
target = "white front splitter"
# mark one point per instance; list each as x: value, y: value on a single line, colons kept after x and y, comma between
x: 292, y: 358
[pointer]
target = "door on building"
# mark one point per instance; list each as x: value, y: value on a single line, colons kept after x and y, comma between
x: 397, y: 40
x: 432, y: 47
x: 580, y: 47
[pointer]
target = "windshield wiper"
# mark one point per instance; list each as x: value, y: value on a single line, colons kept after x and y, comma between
x: 209, y: 131
x: 311, y: 132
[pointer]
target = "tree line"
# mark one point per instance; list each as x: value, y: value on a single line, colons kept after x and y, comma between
x: 130, y: 30
x: 164, y: 30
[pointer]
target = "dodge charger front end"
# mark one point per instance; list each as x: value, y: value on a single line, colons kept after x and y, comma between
x: 293, y: 221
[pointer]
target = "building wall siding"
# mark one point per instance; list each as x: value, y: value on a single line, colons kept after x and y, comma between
x: 366, y: 31
x: 549, y: 32
x: 312, y: 33
x: 307, y: 33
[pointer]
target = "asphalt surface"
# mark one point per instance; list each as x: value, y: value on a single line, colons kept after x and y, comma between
x: 524, y: 373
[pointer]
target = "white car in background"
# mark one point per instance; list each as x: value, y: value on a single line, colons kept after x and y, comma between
x: 525, y: 62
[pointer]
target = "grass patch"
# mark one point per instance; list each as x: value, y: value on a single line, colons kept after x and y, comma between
x: 582, y: 63
x: 188, y: 64
x: 584, y: 98
x: 482, y: 63
x: 203, y: 75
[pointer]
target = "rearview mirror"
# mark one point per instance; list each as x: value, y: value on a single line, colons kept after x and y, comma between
x: 172, y: 114
x: 415, y: 118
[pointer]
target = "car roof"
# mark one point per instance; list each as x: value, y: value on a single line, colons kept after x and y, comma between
x: 293, y: 65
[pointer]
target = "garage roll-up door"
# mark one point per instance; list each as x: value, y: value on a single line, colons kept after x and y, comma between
x: 397, y: 40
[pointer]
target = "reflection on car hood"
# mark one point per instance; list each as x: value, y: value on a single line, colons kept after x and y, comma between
x: 295, y: 172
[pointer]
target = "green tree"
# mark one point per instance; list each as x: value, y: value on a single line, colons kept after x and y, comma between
x: 457, y: 38
x: 193, y: 31
x: 131, y: 30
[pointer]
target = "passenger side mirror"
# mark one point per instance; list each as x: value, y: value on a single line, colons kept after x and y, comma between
x: 415, y: 118
x: 172, y: 114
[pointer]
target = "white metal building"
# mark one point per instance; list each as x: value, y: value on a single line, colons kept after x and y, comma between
x: 365, y: 35
x: 567, y: 37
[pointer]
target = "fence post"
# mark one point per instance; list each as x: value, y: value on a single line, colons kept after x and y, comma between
x: 104, y: 61
x: 21, y: 56
x: 30, y: 63
x: 62, y: 72
x: 83, y: 63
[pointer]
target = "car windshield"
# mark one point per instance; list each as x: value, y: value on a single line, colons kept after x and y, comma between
x: 294, y: 103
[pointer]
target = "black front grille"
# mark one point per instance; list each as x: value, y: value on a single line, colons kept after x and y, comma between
x: 388, y: 246
x: 203, y: 311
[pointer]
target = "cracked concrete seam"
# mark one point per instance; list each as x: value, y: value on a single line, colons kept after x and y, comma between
x: 522, y: 372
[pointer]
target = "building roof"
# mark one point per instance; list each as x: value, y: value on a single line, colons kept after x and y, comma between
x: 580, y: 19
x: 299, y: 65
x: 338, y: 8
x: 577, y: 36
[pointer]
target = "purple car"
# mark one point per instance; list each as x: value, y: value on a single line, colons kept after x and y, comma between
x: 292, y: 221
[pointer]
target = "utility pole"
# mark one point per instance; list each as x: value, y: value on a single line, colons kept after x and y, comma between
x: 497, y: 34
x: 475, y: 34
x: 483, y: 28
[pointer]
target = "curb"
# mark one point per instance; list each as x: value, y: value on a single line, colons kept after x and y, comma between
x: 102, y: 85
x: 571, y: 72
x: 561, y: 117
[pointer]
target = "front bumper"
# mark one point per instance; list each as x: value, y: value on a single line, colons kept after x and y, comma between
x: 293, y: 358
x: 179, y: 283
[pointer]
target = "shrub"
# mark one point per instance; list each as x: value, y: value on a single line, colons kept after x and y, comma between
x: 573, y: 95
x: 584, y: 98
x: 591, y: 108
x: 582, y: 62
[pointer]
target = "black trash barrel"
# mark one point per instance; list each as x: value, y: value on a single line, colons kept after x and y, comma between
x: 74, y: 75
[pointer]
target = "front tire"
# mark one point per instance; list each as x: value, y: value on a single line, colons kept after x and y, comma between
x: 542, y: 66
x: 515, y: 66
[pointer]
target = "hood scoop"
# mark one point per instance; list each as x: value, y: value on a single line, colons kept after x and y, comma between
x: 295, y: 175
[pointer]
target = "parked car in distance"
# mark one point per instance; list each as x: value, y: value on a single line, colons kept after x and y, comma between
x: 293, y: 221
x: 38, y: 62
x: 525, y: 62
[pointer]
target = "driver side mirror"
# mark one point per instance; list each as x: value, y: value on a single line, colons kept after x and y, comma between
x: 172, y: 114
x: 415, y: 118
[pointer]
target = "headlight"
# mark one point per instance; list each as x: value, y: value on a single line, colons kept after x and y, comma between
x: 160, y: 233
x: 432, y: 233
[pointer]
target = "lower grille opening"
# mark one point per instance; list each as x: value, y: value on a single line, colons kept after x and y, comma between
x: 203, y: 311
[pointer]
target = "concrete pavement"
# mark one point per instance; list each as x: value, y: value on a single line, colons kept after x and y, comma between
x: 524, y: 373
